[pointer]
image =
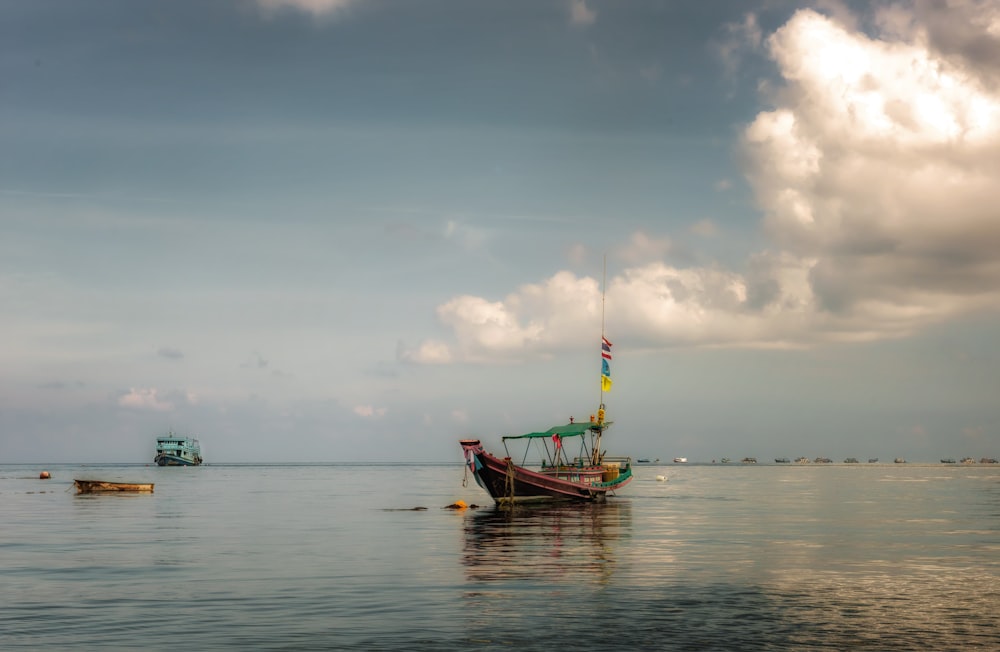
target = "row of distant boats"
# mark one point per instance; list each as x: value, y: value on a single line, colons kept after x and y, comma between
x: 969, y: 460
x: 820, y: 460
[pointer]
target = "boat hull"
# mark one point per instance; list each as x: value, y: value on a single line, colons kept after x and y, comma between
x: 173, y: 460
x: 100, y: 486
x: 177, y: 450
x: 508, y: 483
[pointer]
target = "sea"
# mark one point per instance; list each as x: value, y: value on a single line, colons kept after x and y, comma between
x: 371, y: 557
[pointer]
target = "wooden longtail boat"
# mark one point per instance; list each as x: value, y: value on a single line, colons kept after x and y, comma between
x: 100, y: 486
x: 584, y: 475
x: 590, y: 476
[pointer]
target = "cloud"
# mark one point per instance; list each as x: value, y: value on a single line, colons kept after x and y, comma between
x: 429, y: 352
x: 580, y: 14
x: 880, y: 164
x: 314, y: 7
x: 145, y: 398
x: 965, y: 32
x: 485, y: 328
x: 705, y: 228
x: 370, y: 412
x: 536, y: 318
x: 653, y: 303
x: 709, y: 306
x: 642, y: 247
x: 738, y: 37
x: 875, y: 174
x: 531, y: 321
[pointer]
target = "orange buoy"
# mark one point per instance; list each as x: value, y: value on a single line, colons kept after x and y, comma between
x: 44, y: 475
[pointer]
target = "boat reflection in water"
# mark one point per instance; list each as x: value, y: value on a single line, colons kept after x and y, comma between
x: 548, y: 544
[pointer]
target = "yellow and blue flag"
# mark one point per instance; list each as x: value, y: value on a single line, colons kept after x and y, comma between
x: 605, y: 367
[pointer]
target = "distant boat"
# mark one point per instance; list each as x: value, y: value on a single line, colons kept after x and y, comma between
x: 642, y: 460
x: 951, y: 460
x: 872, y: 460
x: 802, y: 460
x: 987, y: 460
x: 781, y: 460
x: 174, y: 450
x: 822, y: 460
x: 967, y: 460
x: 851, y: 460
x: 100, y: 486
x: 680, y: 460
x: 899, y: 460
x: 726, y: 460
x: 749, y: 460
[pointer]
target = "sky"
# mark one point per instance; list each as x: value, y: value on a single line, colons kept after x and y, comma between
x: 360, y: 230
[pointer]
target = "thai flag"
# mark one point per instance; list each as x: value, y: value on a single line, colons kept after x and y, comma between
x: 605, y: 348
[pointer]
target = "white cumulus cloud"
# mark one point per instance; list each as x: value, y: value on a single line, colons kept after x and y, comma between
x: 145, y: 398
x: 880, y: 163
x: 370, y: 412
x: 429, y: 352
x: 875, y: 172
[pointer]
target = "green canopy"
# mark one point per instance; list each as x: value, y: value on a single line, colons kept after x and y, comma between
x: 569, y: 430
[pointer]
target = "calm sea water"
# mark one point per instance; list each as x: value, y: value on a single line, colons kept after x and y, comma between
x: 333, y: 558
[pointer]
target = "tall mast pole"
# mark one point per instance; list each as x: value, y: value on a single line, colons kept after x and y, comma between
x: 604, y: 287
x: 596, y: 452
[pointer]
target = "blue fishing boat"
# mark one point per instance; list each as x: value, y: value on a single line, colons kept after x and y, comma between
x: 175, y: 450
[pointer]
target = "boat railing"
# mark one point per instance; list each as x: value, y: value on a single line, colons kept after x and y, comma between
x: 623, y: 474
x: 583, y: 462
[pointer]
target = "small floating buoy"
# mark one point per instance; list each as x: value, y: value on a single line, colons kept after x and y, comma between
x: 44, y: 475
x: 661, y: 478
x: 458, y: 504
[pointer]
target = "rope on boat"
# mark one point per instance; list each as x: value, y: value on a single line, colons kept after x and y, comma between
x: 509, y: 482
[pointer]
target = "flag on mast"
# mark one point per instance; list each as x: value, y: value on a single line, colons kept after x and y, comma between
x: 605, y: 367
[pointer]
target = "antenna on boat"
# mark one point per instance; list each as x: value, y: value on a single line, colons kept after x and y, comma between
x: 604, y: 289
x: 604, y: 341
x: 596, y: 454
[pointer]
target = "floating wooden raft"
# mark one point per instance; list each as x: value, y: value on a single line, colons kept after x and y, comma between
x: 100, y: 486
